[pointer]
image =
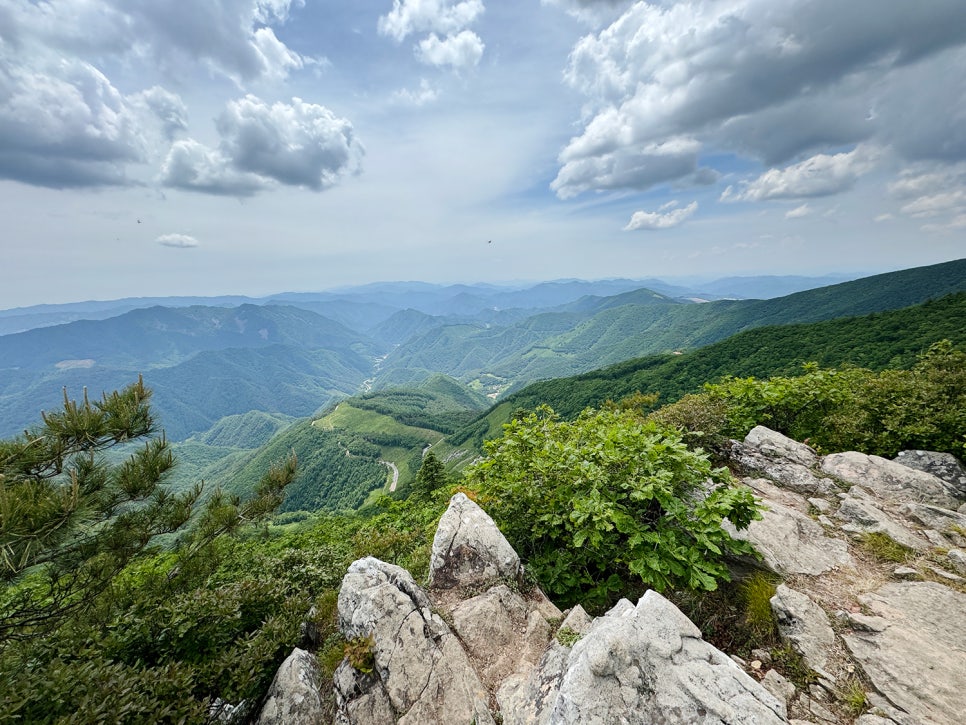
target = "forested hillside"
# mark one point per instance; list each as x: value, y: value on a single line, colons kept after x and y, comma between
x: 876, y: 341
x: 593, y: 333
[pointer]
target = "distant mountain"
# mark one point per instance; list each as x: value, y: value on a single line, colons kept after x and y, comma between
x: 600, y: 331
x: 892, y: 338
x: 21, y: 319
x: 765, y: 288
x: 161, y: 336
x: 203, y: 363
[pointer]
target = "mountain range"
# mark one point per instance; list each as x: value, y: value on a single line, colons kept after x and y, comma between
x: 284, y: 357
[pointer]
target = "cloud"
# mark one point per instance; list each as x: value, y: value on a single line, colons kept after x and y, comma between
x: 654, y: 220
x: 593, y: 12
x: 426, y: 93
x: 232, y: 37
x: 820, y: 175
x: 66, y: 125
x: 192, y: 166
x: 798, y: 212
x: 298, y: 144
x: 447, y: 41
x: 933, y: 191
x: 600, y: 163
x: 462, y: 50
x: 63, y: 123
x: 179, y: 241
x: 770, y: 82
x: 423, y: 16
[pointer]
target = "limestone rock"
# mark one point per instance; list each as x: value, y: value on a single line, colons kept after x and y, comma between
x: 778, y: 686
x: 942, y: 465
x: 776, y: 445
x: 934, y: 517
x: 418, y: 666
x: 805, y: 625
x: 890, y: 480
x: 648, y: 664
x: 957, y: 558
x: 294, y: 697
x: 861, y: 515
x: 469, y: 549
x: 792, y: 543
x: 916, y: 655
x: 528, y: 699
x: 772, y: 464
x: 500, y: 633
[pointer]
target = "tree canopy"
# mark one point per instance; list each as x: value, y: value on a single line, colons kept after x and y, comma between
x: 80, y: 500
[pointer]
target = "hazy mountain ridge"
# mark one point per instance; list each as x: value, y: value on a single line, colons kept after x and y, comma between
x: 365, y: 306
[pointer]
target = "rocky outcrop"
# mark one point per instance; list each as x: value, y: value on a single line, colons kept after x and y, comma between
x: 469, y: 549
x: 805, y: 625
x: 890, y: 480
x: 294, y: 697
x: 907, y: 636
x: 415, y: 670
x: 478, y: 646
x: 436, y: 657
x: 943, y: 466
x: 912, y: 646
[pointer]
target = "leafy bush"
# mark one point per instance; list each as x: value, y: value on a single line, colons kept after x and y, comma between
x: 840, y: 409
x: 608, y: 500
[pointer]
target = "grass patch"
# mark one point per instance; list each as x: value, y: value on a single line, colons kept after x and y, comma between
x: 755, y: 594
x: 884, y: 548
x: 853, y: 697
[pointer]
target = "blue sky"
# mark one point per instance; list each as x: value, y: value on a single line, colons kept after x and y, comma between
x: 155, y: 147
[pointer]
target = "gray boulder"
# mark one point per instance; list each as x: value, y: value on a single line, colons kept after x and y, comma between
x: 528, y: 699
x: 500, y: 633
x: 942, y: 465
x: 420, y: 673
x: 804, y: 624
x: 648, y: 664
x: 469, y: 550
x: 859, y: 514
x: 775, y: 445
x: 780, y: 459
x: 294, y: 697
x: 792, y: 543
x: 913, y: 648
x: 935, y: 517
x: 890, y: 480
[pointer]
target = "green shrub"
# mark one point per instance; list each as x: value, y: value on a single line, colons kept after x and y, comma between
x: 609, y: 503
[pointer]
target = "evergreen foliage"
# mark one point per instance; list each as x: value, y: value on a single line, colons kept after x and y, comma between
x: 71, y: 521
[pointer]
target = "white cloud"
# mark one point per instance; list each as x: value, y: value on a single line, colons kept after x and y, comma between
x: 178, y: 241
x: 820, y: 175
x: 591, y: 163
x: 192, y: 166
x: 768, y: 81
x: 462, y: 50
x: 653, y: 220
x: 933, y: 191
x: 798, y: 212
x: 593, y: 12
x: 65, y: 124
x: 426, y: 93
x: 297, y: 144
x: 424, y: 16
x: 232, y: 37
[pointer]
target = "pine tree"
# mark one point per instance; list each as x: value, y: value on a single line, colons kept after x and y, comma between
x: 430, y: 477
x: 71, y: 520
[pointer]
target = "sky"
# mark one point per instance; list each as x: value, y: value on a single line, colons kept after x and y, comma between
x: 168, y: 147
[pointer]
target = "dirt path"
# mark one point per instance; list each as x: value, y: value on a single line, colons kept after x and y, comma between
x: 395, y: 474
